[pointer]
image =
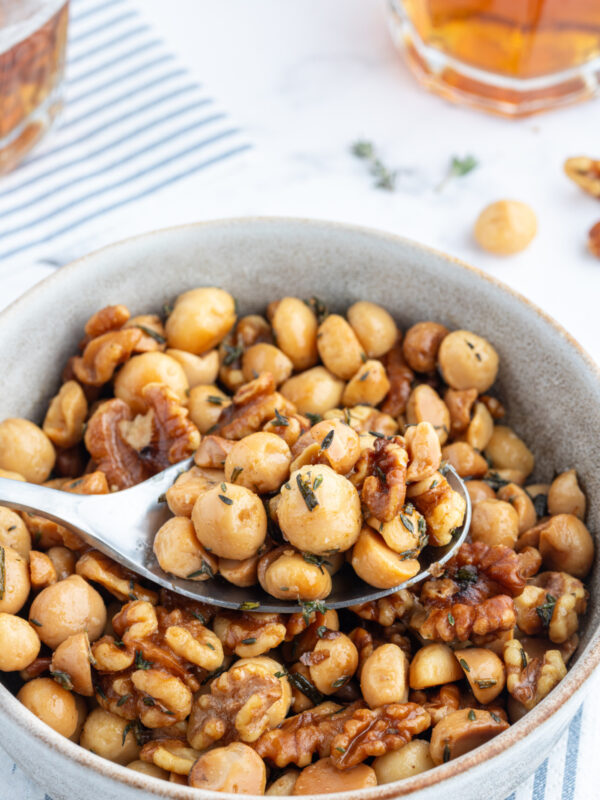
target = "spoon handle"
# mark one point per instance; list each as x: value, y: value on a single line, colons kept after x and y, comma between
x: 60, y: 507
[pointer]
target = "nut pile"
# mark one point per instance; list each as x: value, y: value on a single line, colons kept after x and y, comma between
x: 317, y: 439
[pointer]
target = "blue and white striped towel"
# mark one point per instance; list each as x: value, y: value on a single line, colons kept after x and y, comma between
x: 135, y: 122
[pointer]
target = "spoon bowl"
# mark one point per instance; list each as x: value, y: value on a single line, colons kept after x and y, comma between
x: 122, y: 525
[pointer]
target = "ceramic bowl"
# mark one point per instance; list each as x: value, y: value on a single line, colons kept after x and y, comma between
x: 552, y: 388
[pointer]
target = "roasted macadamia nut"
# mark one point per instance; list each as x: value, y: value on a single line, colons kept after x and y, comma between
x: 378, y: 564
x: 14, y: 533
x: 16, y: 584
x: 468, y: 361
x: 485, y: 672
x: 153, y: 367
x: 148, y: 769
x: 25, y: 449
x: 338, y: 665
x: 409, y: 760
x: 507, y: 451
x: 384, y: 676
x: 67, y: 607
x: 230, y: 521
x: 425, y: 405
x: 200, y: 319
x: 236, y: 768
x: 323, y: 777
x: 566, y: 545
x: 374, y: 327
x: 319, y: 511
x: 368, y: 386
x: 494, y: 522
x: 433, y: 665
x: 289, y: 575
x: 63, y: 423
x: 199, y: 370
x: 314, y: 391
x: 338, y: 347
x: 465, y: 460
x: 421, y: 344
x: 205, y: 403
x: 295, y: 328
x: 505, y: 227
x: 52, y: 704
x: 265, y: 357
x: 565, y: 496
x: 179, y: 552
x: 260, y: 461
x: 462, y: 731
x: 109, y: 736
x: 19, y: 643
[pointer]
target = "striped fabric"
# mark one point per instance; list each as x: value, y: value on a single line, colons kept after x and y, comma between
x: 135, y: 122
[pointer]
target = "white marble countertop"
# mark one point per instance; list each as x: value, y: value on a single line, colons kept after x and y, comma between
x: 306, y: 79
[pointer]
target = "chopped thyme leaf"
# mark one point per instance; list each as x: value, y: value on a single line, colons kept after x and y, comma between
x: 467, y: 574
x: 35, y: 622
x: 205, y: 569
x: 232, y: 354
x: 227, y: 500
x: 318, y: 307
x: 140, y: 661
x: 495, y: 717
x: 407, y: 522
x: 312, y: 605
x: 249, y: 640
x: 523, y: 659
x: 224, y: 488
x: 472, y: 716
x: 364, y: 376
x: 451, y: 619
x: 464, y: 665
x: 340, y: 681
x: 215, y: 400
x: 248, y: 605
x: 313, y: 418
x: 317, y: 481
x: 200, y: 617
x: 446, y: 755
x: 153, y: 334
x: 122, y: 700
x: 546, y: 610
x: 327, y: 440
x: 162, y: 498
x: 99, y: 691
x: 341, y: 750
x: 540, y: 503
x: 486, y: 684
x: 62, y: 678
x: 494, y: 481
x: 212, y: 675
x: 311, y: 558
x: 148, y: 701
x: 235, y: 473
x: 307, y: 493
x: 321, y: 631
x: 281, y: 419
x: 305, y: 686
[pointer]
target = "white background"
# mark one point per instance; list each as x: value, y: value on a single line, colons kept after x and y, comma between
x: 308, y: 78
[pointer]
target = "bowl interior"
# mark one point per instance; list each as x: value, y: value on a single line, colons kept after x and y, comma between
x: 551, y: 388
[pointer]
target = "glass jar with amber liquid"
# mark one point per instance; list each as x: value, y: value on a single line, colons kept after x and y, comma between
x: 33, y: 36
x: 512, y: 57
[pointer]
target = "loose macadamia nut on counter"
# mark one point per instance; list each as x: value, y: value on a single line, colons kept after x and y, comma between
x: 505, y: 227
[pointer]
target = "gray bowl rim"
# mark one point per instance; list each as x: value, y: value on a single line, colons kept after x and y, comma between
x: 566, y: 689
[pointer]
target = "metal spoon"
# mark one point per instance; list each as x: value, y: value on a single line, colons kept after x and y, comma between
x: 123, y: 525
